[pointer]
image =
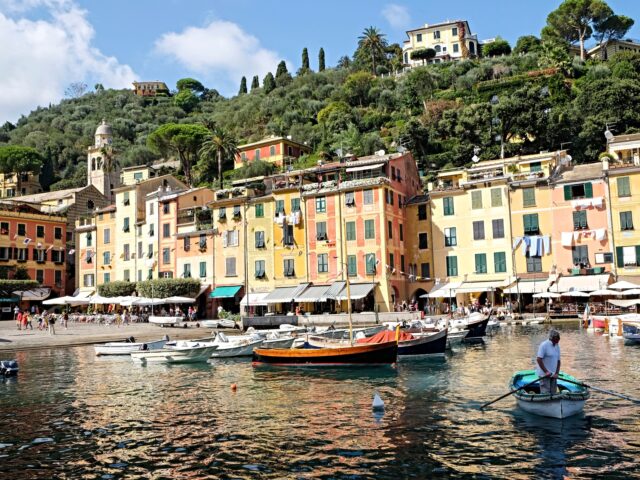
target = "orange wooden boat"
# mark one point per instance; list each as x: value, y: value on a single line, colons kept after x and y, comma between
x: 364, y: 355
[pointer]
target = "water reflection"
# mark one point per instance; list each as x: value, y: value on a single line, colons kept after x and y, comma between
x: 109, y: 417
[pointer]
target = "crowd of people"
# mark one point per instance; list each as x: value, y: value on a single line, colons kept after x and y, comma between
x: 46, y: 321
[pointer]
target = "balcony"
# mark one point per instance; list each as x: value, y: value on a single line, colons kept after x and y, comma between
x: 526, y: 176
x: 484, y: 175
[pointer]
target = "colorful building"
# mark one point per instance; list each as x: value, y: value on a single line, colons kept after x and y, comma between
x: 418, y: 238
x: 451, y: 40
x: 580, y: 239
x: 34, y: 241
x: 150, y: 89
x: 281, y: 151
x: 17, y: 184
x: 622, y: 171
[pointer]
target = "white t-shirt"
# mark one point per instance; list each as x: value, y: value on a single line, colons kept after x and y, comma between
x: 550, y: 355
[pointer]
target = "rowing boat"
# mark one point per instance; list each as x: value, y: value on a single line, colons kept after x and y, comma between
x: 568, y: 401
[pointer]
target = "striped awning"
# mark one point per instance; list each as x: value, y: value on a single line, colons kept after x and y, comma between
x: 356, y: 291
x: 314, y: 293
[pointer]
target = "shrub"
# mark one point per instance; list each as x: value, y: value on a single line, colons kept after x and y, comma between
x: 117, y: 289
x: 169, y: 287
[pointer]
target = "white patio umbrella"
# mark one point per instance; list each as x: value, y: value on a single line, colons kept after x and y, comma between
x: 632, y: 291
x: 604, y: 293
x: 547, y: 295
x: 100, y: 300
x: 622, y: 285
x: 574, y: 293
x: 148, y: 301
x: 179, y: 300
x: 57, y: 301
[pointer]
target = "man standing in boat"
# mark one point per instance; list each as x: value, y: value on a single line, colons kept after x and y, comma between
x: 548, y: 363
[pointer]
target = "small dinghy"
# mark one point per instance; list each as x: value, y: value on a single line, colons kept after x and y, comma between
x: 8, y: 368
x: 128, y: 346
x: 567, y: 401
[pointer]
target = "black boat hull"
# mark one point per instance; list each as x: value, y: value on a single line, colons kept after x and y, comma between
x: 476, y: 330
x: 435, y: 344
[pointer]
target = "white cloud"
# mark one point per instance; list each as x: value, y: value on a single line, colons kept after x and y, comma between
x: 45, y: 56
x: 220, y: 51
x: 397, y: 15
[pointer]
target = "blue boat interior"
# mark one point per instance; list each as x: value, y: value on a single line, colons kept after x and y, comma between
x: 524, y: 378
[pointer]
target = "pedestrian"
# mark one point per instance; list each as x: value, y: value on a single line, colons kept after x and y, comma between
x: 52, y: 325
x: 65, y: 319
x: 25, y: 319
x: 548, y: 363
x: 19, y: 319
x: 29, y: 322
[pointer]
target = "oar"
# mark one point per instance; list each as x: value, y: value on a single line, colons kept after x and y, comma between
x: 507, y: 394
x: 602, y: 390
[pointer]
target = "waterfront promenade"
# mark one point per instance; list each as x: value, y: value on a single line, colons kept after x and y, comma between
x: 87, y: 333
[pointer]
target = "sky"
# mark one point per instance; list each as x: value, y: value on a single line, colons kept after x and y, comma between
x: 45, y: 45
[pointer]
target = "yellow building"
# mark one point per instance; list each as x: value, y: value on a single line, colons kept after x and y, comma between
x: 14, y: 184
x: 623, y: 177
x: 451, y: 40
x: 418, y: 242
x: 136, y: 174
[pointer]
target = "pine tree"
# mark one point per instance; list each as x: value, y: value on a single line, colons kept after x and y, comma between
x: 269, y: 83
x: 283, y: 77
x: 321, y: 60
x: 255, y: 83
x: 243, y: 86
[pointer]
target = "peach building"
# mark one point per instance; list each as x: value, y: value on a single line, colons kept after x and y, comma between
x: 581, y: 232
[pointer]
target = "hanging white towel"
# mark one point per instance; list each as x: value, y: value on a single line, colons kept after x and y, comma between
x: 546, y: 244
x: 516, y: 242
x: 525, y: 245
x: 567, y: 239
x: 597, y: 202
x: 533, y: 249
x: 601, y: 234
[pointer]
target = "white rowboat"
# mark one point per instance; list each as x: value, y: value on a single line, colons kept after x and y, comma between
x: 125, y: 348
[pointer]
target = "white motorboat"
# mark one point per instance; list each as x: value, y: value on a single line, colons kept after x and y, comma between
x: 282, y: 342
x: 220, y: 323
x: 129, y: 346
x: 182, y: 352
x: 232, y: 347
x: 166, y: 321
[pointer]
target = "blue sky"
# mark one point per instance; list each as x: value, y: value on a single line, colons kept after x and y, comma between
x: 56, y: 42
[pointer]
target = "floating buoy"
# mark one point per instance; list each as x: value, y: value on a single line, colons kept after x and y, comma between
x: 234, y: 387
x: 377, y: 404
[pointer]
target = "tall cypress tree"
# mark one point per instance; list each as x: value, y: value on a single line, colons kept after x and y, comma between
x: 255, y: 83
x: 243, y: 86
x: 321, y: 60
x: 305, y: 61
x: 283, y: 77
x: 269, y: 83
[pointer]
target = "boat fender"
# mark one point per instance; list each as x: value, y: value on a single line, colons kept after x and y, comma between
x: 377, y: 404
x: 234, y: 387
x: 145, y: 346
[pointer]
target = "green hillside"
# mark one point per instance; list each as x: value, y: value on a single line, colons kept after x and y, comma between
x: 539, y: 98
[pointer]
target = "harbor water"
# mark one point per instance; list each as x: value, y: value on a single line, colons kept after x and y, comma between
x: 72, y: 415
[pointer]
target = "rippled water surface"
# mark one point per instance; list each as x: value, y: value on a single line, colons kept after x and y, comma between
x: 72, y: 415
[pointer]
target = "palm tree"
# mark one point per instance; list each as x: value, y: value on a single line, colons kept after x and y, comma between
x: 109, y: 163
x: 373, y: 41
x: 222, y: 143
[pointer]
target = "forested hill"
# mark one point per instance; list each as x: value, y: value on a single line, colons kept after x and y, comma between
x: 538, y: 100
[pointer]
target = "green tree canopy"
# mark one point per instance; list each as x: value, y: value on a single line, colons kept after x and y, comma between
x: 424, y: 54
x: 190, y: 84
x: 255, y: 83
x: 304, y: 68
x: 371, y: 45
x: 183, y: 140
x: 321, y: 60
x: 168, y: 287
x: 527, y: 44
x: 269, y: 83
x: 574, y: 20
x: 220, y: 144
x: 243, y: 86
x: 119, y: 288
x: 612, y: 27
x: 283, y: 77
x: 496, y: 48
x: 186, y: 100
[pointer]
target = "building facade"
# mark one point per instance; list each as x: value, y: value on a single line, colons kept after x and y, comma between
x: 150, y: 89
x: 281, y: 151
x: 450, y: 40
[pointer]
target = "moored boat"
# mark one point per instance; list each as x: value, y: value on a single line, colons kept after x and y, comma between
x: 235, y: 349
x: 283, y: 342
x: 220, y: 323
x: 476, y: 327
x: 183, y: 352
x: 568, y: 401
x: 166, y: 321
x: 357, y: 355
x: 128, y: 346
x: 631, y: 333
x: 412, y: 345
x: 9, y: 368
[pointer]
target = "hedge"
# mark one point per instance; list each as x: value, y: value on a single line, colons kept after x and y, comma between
x: 118, y: 288
x: 169, y: 287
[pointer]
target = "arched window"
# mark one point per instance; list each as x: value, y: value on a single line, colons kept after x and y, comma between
x: 93, y: 164
x: 90, y: 205
x: 437, y: 48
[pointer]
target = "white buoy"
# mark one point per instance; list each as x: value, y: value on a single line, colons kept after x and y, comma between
x: 377, y: 404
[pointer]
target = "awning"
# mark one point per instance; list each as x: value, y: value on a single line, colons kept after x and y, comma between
x: 34, y: 295
x: 582, y: 283
x: 285, y: 294
x: 315, y: 293
x: 444, y: 290
x: 334, y: 290
x: 528, y: 286
x: 480, y: 287
x: 203, y: 289
x: 356, y: 291
x: 625, y: 303
x: 254, y: 300
x: 10, y: 300
x: 226, y: 291
x: 365, y: 167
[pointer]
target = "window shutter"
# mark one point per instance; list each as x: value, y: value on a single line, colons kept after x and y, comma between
x: 534, y: 222
x: 637, y: 254
x: 567, y: 192
x: 224, y: 239
x: 527, y: 223
x: 619, y: 257
x: 588, y: 190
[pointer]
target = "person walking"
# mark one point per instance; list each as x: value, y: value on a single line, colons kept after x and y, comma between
x: 19, y: 319
x: 52, y: 325
x: 65, y: 319
x: 548, y: 363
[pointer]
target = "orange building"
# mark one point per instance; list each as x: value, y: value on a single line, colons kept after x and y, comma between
x: 282, y: 151
x: 150, y: 89
x: 35, y: 241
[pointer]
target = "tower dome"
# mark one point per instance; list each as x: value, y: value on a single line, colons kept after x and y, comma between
x: 104, y: 129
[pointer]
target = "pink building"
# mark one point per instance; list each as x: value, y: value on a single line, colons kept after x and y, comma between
x: 581, y: 234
